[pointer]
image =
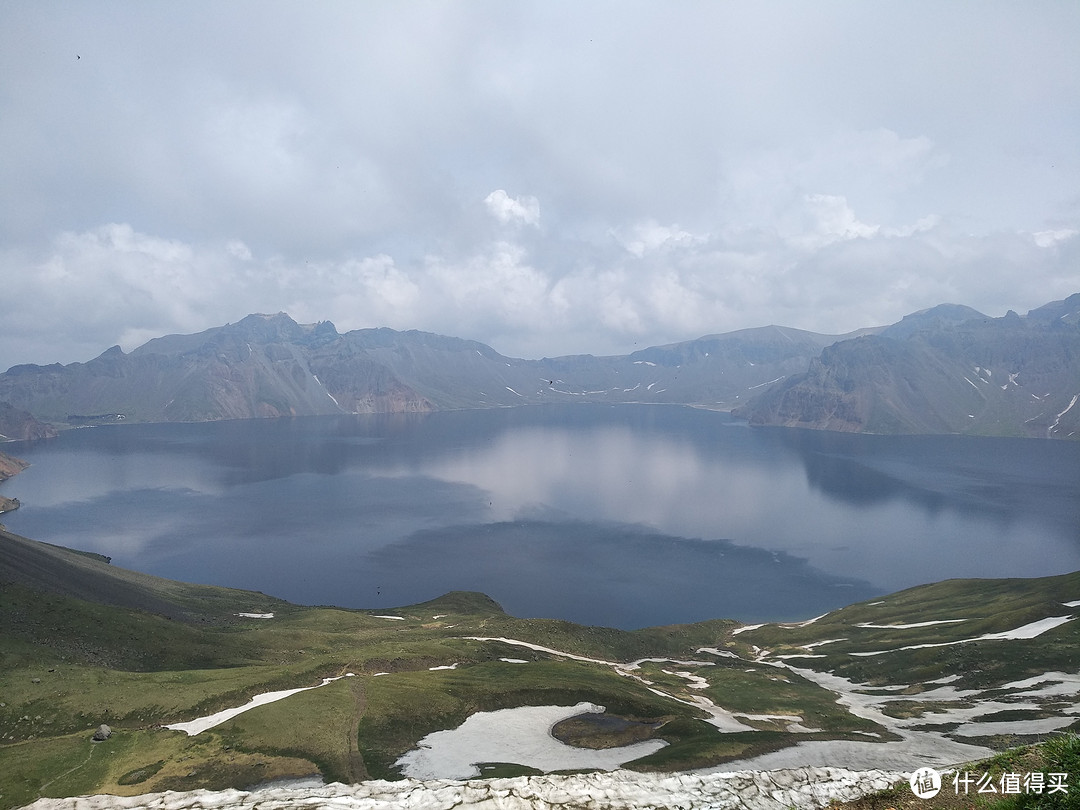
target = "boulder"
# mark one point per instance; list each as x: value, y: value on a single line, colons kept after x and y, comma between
x: 103, y: 733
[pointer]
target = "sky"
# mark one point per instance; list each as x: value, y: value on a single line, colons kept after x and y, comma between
x: 546, y: 177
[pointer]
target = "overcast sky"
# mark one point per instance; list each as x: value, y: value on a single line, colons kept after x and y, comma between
x: 546, y: 177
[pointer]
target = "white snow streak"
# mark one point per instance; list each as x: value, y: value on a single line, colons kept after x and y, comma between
x: 1032, y: 630
x: 1057, y: 419
x: 201, y: 724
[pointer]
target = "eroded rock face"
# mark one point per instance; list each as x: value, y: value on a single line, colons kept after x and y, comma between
x: 618, y: 790
x: 9, y: 466
x: 16, y: 424
x: 946, y: 370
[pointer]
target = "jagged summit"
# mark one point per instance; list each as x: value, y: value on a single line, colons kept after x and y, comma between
x: 946, y: 369
x: 1065, y: 313
x: 941, y: 316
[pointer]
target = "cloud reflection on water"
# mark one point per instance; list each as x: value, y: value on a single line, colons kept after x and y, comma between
x: 592, y: 512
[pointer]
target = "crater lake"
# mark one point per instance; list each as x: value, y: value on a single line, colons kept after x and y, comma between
x: 625, y: 515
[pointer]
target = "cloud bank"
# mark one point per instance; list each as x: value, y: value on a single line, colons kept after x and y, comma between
x: 545, y: 179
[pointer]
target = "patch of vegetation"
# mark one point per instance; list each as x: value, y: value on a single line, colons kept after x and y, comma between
x: 1011, y: 715
x: 599, y: 731
x: 696, y: 744
x: 402, y: 710
x: 138, y: 775
x: 906, y: 709
x: 56, y: 628
x: 1061, y: 755
x: 505, y: 770
x: 767, y: 690
x: 319, y: 725
x: 986, y: 607
x: 1058, y: 755
x: 68, y: 765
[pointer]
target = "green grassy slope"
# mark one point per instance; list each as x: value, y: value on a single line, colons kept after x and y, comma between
x: 965, y: 608
x: 83, y: 643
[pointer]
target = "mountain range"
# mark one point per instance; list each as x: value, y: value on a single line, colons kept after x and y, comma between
x: 949, y: 369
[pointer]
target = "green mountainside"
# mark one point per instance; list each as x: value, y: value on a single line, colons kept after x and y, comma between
x: 84, y: 643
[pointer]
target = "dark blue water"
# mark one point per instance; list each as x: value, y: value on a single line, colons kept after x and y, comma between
x: 625, y: 516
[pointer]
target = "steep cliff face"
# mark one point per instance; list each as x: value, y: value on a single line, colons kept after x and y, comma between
x: 269, y: 365
x: 18, y: 425
x: 947, y: 373
x: 944, y: 370
x: 263, y: 366
x: 9, y: 466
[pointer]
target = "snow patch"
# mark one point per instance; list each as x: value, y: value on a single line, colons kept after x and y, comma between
x: 616, y: 790
x: 745, y: 627
x: 909, y: 626
x: 201, y: 724
x: 1057, y: 419
x: 1031, y: 630
x: 521, y: 736
x: 806, y: 623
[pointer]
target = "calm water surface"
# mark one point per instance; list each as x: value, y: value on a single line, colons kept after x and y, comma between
x: 626, y: 515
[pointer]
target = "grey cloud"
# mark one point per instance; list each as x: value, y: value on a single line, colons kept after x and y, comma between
x: 699, y: 168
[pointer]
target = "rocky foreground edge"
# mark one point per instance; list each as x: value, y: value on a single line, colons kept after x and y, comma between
x: 617, y: 790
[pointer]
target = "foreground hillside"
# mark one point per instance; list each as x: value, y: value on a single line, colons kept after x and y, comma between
x: 934, y: 675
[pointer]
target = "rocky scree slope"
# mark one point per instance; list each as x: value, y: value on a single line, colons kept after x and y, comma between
x: 269, y: 365
x: 945, y: 370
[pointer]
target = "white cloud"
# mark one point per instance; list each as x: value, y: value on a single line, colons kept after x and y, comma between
x: 517, y: 210
x: 114, y: 284
x: 830, y: 219
x: 650, y: 235
x: 237, y: 249
x: 702, y: 169
x: 1050, y: 238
